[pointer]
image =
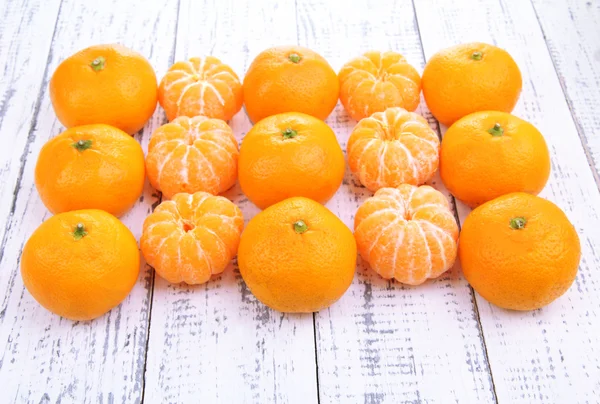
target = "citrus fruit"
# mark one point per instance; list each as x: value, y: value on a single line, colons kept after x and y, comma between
x: 287, y: 155
x: 290, y: 79
x: 391, y: 148
x: 376, y: 81
x: 108, y: 84
x: 192, y: 237
x: 519, y: 251
x: 90, y: 167
x: 407, y: 233
x: 297, y: 257
x: 191, y: 155
x: 200, y: 86
x: 80, y: 264
x: 488, y: 154
x: 469, y: 78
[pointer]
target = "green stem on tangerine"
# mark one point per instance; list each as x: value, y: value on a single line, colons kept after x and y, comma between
x: 496, y: 130
x: 79, y: 232
x: 82, y: 145
x: 518, y: 223
x: 295, y: 58
x: 300, y: 227
x: 289, y: 133
x: 98, y: 63
x: 476, y: 55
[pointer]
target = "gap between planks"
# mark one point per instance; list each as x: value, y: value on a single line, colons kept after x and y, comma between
x: 438, y: 130
x: 369, y: 350
x: 158, y: 201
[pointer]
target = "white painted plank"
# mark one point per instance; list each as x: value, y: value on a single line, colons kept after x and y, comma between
x: 549, y: 355
x: 215, y: 343
x: 44, y: 358
x: 384, y: 342
x: 571, y: 31
x: 25, y: 36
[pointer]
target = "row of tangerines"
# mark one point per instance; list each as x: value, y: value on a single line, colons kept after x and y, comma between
x: 519, y: 251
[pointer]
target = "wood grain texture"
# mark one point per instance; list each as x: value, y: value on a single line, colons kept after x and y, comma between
x: 215, y: 343
x: 384, y: 342
x: 549, y: 355
x: 25, y: 37
x: 571, y: 32
x: 44, y: 358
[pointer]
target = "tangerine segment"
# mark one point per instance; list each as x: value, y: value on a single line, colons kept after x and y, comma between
x: 192, y: 237
x: 192, y: 154
x: 408, y: 233
x: 199, y: 86
x: 392, y: 148
x: 376, y: 81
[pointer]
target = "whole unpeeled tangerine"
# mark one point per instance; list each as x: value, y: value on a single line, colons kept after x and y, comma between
x: 488, y: 154
x: 290, y: 79
x: 80, y: 264
x: 297, y: 257
x: 468, y: 78
x: 519, y: 251
x: 288, y: 155
x: 107, y: 84
x: 90, y: 167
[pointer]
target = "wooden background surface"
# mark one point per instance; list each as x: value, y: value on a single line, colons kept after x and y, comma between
x: 382, y: 342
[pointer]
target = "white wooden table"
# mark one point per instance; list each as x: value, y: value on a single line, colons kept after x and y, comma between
x: 382, y: 342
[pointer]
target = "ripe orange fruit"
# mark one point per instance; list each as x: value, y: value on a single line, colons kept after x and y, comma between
x: 376, y: 81
x: 90, y: 167
x: 108, y: 84
x: 297, y: 257
x: 80, y: 264
x: 392, y: 148
x: 408, y: 233
x: 192, y: 237
x: 191, y: 155
x: 199, y: 86
x: 488, y: 154
x: 469, y: 78
x: 287, y: 155
x: 519, y: 251
x: 290, y: 79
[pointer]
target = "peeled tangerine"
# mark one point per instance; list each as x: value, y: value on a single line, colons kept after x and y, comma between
x: 392, y: 148
x: 376, y: 81
x: 191, y: 155
x: 200, y: 86
x: 408, y: 233
x: 192, y: 237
